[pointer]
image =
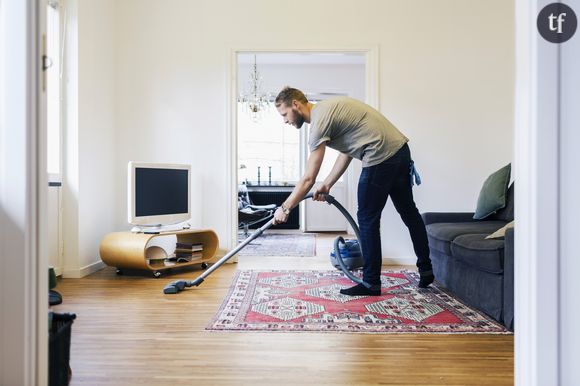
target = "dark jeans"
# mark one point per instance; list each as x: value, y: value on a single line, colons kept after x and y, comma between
x: 389, y: 178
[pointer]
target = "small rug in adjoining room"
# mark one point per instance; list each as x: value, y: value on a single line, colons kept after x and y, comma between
x: 280, y: 244
x: 294, y: 301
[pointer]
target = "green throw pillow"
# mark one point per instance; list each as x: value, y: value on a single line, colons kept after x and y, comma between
x: 493, y: 194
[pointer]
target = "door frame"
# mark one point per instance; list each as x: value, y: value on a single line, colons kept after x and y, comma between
x: 371, y: 53
x: 540, y: 278
x: 24, y: 308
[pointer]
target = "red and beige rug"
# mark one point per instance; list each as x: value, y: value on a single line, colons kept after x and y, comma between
x: 310, y: 301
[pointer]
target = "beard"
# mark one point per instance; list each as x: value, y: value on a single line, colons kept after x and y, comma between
x: 299, y: 121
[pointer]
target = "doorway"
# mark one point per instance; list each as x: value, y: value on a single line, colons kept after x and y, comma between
x: 271, y: 156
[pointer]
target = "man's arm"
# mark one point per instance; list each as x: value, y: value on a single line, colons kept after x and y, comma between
x: 304, y: 185
x: 340, y: 166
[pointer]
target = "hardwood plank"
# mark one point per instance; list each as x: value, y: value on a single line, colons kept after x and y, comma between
x: 127, y: 332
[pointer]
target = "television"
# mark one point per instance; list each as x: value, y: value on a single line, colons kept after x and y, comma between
x: 158, y: 195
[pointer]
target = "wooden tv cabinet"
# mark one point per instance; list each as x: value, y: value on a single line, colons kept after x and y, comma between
x: 127, y: 250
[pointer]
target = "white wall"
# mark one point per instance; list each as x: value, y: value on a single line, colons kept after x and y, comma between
x: 446, y: 80
x: 89, y: 185
x: 449, y: 86
x: 98, y: 149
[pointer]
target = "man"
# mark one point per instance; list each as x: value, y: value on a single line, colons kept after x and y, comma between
x: 358, y: 131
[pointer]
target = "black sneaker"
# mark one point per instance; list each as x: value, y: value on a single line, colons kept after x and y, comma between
x: 361, y: 290
x: 425, y: 279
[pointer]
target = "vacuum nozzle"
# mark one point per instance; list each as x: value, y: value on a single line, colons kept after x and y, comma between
x: 179, y: 285
x: 175, y: 286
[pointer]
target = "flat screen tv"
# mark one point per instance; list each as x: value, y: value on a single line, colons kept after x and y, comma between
x: 158, y: 194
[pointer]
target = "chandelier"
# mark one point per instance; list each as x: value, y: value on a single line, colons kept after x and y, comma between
x: 254, y: 101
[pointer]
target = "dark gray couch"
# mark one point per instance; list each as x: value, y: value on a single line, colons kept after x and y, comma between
x: 477, y: 270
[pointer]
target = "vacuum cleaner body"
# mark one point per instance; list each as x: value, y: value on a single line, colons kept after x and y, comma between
x: 351, y: 255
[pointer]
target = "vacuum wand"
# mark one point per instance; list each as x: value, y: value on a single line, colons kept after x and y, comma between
x: 178, y: 285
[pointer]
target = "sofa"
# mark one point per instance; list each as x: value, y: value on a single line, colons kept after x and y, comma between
x: 476, y: 269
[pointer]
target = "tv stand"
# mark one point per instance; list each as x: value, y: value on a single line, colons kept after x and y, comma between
x: 128, y: 250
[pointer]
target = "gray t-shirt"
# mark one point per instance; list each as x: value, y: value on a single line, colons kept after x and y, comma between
x: 354, y: 128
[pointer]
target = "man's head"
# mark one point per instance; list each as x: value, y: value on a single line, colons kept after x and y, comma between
x: 293, y: 106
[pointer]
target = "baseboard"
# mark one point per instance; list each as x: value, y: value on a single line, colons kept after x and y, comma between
x: 84, y: 271
x: 402, y: 260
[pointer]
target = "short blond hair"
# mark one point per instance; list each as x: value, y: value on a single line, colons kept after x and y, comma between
x: 288, y: 94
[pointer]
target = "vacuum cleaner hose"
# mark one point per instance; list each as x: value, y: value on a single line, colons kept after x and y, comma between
x: 330, y: 200
x: 179, y: 285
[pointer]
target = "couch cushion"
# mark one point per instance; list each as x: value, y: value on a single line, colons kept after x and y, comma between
x: 442, y: 234
x: 476, y: 251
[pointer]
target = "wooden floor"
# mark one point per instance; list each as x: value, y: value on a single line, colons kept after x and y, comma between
x: 128, y: 333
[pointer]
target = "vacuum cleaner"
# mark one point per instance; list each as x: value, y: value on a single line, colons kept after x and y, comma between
x: 350, y: 254
x: 346, y: 255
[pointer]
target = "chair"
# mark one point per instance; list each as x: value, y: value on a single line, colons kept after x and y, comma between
x: 249, y: 214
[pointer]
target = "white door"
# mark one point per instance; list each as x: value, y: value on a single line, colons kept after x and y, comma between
x: 319, y: 216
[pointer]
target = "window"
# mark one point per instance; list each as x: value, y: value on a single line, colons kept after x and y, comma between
x: 274, y: 148
x: 270, y: 145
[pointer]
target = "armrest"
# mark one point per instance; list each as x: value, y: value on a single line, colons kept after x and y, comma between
x: 434, y: 217
x: 508, y: 280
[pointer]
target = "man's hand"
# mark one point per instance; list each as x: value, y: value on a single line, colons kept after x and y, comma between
x: 320, y: 192
x: 280, y: 217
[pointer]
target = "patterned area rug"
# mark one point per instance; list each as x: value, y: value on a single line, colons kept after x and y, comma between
x: 310, y: 301
x: 279, y: 244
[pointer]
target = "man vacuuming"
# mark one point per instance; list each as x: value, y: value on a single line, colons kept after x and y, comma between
x: 358, y: 131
